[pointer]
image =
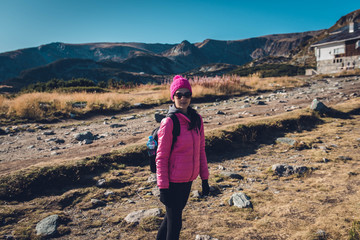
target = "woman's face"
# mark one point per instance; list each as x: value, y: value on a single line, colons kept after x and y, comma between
x: 182, y: 98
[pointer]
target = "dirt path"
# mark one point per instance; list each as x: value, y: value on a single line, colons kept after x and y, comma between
x: 30, y: 146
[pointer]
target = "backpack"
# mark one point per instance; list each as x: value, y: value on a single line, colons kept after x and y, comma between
x: 175, y: 132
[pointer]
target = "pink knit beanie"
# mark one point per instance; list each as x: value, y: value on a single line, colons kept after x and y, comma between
x: 178, y: 82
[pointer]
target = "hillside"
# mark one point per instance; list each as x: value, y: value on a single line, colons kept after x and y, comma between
x: 25, y: 66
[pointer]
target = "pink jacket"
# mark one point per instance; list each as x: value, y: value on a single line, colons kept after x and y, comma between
x: 186, y: 160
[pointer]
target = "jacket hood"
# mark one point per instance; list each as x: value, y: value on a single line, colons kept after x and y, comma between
x: 173, y: 109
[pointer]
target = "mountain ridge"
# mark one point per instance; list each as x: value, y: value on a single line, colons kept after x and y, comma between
x: 154, y: 61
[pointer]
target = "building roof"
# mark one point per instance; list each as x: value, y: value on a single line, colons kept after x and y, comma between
x: 340, y: 35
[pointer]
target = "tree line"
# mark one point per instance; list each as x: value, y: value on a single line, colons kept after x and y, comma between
x: 77, y: 84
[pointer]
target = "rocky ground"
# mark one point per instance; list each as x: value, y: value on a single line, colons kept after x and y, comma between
x: 309, y: 192
x: 30, y: 144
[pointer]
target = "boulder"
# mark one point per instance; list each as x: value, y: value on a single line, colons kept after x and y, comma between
x: 231, y: 175
x: 318, y: 106
x: 285, y: 140
x: 47, y: 226
x: 83, y: 136
x: 286, y: 170
x: 240, y: 200
x: 135, y: 217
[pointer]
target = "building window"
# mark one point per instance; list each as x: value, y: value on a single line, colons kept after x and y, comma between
x: 339, y: 50
x: 357, y: 44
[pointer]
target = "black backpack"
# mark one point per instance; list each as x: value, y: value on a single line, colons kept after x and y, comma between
x: 175, y: 132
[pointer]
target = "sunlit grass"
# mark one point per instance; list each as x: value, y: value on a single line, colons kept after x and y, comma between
x: 42, y: 105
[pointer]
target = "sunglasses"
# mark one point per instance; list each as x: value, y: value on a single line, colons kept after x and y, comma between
x: 179, y: 95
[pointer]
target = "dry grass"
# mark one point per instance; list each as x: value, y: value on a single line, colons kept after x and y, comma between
x: 295, y: 207
x: 39, y: 106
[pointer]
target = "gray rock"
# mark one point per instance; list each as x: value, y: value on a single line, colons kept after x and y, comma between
x: 204, y: 237
x: 97, y: 203
x: 152, y: 178
x: 195, y: 194
x: 240, y: 200
x: 138, y: 104
x: 221, y: 167
x: 101, y: 182
x: 318, y: 106
x: 116, y: 125
x: 84, y: 135
x: 320, y: 235
x: 285, y: 140
x: 245, y: 106
x: 135, y: 217
x: 87, y: 141
x: 108, y: 193
x: 300, y: 169
x: 286, y: 170
x: 48, y: 133
x: 231, y: 175
x: 344, y: 158
x: 128, y: 118
x: 259, y: 103
x: 155, y: 191
x: 47, y: 226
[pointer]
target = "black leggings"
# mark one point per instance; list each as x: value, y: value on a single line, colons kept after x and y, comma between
x: 172, y: 223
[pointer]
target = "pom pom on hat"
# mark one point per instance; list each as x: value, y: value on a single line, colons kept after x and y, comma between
x: 178, y: 82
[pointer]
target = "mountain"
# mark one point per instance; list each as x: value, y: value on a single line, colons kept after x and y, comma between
x: 144, y: 62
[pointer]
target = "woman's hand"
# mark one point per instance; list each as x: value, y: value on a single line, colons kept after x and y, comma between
x: 205, y: 188
x: 164, y: 196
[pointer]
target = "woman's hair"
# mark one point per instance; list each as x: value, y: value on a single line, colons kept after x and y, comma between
x: 195, y: 121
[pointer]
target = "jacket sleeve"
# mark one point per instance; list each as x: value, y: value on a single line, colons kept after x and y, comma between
x: 204, y: 170
x: 163, y: 152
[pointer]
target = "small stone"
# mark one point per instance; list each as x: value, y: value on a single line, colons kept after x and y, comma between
x: 344, y: 158
x: 196, y: 194
x: 231, y: 175
x: 47, y: 133
x: 108, y: 193
x: 204, y: 237
x: 100, y: 182
x: 152, y: 178
x: 321, y: 235
x: 221, y: 167
x: 97, y: 203
x: 155, y: 191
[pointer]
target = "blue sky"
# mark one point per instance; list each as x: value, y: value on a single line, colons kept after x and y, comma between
x: 30, y: 23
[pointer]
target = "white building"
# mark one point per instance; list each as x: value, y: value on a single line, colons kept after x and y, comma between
x: 339, y: 51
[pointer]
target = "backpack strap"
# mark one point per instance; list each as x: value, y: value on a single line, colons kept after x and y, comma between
x: 176, y: 128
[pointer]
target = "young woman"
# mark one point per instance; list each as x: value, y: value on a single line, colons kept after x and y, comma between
x: 179, y: 165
